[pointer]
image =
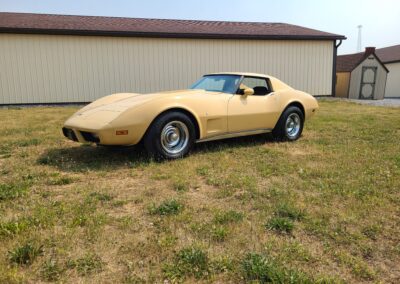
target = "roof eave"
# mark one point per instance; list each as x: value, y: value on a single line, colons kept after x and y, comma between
x: 165, y: 35
x: 391, y: 61
x: 380, y: 61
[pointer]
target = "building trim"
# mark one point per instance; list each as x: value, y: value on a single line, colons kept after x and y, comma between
x: 348, y: 87
x: 335, y: 48
x: 392, y: 61
x: 162, y: 35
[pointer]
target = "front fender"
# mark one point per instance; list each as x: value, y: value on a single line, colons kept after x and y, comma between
x: 138, y: 119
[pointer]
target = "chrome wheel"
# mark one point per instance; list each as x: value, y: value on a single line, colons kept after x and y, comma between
x: 174, y: 137
x: 293, y: 125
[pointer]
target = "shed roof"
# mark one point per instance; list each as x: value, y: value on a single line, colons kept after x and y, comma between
x: 116, y: 26
x: 348, y: 62
x: 389, y: 54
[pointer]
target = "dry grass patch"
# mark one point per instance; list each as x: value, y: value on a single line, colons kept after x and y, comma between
x: 322, y: 209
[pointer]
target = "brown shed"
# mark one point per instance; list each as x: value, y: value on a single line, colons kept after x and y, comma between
x: 361, y: 76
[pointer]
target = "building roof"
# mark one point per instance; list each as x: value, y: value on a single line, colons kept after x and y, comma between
x: 115, y: 26
x: 348, y: 62
x: 389, y: 54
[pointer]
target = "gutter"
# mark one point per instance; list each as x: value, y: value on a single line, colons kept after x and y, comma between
x: 13, y: 30
x: 335, y: 48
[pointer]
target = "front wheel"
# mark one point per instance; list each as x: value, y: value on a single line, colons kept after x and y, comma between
x: 170, y: 136
x: 290, y: 125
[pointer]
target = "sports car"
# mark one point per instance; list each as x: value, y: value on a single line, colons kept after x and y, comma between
x: 218, y: 106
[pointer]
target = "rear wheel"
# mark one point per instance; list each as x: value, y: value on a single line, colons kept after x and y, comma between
x: 170, y: 136
x: 290, y: 124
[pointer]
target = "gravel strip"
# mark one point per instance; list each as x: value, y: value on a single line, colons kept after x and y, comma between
x: 383, y: 103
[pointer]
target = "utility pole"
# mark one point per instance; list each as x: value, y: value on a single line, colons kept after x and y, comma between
x: 359, y: 38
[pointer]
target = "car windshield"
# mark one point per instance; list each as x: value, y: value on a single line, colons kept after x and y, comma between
x: 218, y: 83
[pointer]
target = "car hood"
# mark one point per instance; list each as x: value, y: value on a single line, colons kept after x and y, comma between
x: 123, y: 101
x: 104, y: 110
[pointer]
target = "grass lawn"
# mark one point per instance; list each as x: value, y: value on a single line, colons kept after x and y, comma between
x: 323, y: 209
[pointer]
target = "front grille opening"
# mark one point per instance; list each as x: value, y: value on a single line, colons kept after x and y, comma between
x: 90, y: 137
x: 70, y: 134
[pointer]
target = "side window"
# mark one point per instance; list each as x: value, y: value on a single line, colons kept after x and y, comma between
x: 260, y: 85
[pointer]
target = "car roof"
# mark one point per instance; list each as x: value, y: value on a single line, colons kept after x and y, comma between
x: 276, y: 83
x: 241, y: 74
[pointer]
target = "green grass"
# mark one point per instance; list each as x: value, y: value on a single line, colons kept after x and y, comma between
x: 286, y: 210
x: 167, y: 207
x: 25, y: 254
x: 219, y: 233
x: 12, y: 191
x: 191, y: 261
x: 260, y: 268
x: 323, y: 209
x: 227, y: 217
x: 51, y: 270
x: 280, y: 224
x: 15, y: 227
x: 86, y: 265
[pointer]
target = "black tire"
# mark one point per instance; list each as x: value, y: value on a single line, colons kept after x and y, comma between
x: 281, y: 132
x: 170, y: 125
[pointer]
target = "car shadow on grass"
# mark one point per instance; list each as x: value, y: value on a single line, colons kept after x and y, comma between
x: 99, y: 158
x: 94, y: 158
x: 232, y: 143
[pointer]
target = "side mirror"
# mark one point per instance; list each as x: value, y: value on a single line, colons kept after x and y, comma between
x: 248, y: 92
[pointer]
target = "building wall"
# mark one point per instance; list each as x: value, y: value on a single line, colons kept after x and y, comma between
x: 57, y: 68
x: 393, y: 80
x: 342, y: 84
x: 380, y: 81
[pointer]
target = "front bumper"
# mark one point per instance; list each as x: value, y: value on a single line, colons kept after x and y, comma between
x: 105, y: 127
x: 81, y: 136
x: 84, y: 136
x: 96, y: 127
x: 123, y: 136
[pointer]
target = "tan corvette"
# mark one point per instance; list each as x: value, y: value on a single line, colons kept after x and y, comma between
x: 220, y: 105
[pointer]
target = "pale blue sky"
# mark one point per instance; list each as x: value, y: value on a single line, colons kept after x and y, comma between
x: 380, y: 19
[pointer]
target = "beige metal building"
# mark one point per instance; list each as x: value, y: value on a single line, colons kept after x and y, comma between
x: 361, y: 76
x: 65, y: 59
x: 390, y: 56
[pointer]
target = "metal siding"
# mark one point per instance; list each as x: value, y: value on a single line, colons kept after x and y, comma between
x: 356, y: 75
x: 55, y: 69
x: 393, y: 80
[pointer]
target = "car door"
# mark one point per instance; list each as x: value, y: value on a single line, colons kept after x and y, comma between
x: 255, y: 112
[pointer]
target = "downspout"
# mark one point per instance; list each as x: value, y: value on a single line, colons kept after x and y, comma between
x: 335, y: 47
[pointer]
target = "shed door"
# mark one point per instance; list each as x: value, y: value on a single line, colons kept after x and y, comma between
x: 367, y: 87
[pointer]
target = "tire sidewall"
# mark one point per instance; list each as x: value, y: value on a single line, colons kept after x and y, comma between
x: 280, y: 129
x: 153, y: 137
x: 288, y: 112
